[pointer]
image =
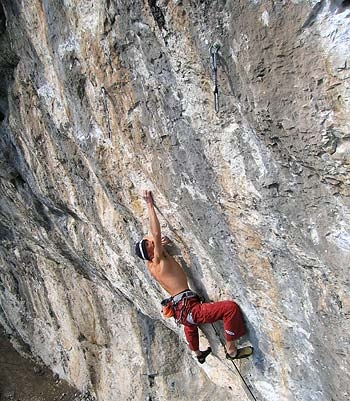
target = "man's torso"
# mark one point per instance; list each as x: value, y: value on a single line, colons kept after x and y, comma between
x: 169, y: 274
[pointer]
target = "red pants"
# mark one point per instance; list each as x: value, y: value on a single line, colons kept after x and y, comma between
x: 197, y: 313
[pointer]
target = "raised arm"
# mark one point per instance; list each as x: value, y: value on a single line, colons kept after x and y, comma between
x: 154, y: 224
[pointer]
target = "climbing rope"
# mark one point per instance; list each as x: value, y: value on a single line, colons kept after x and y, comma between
x: 234, y: 364
x: 105, y: 105
x: 213, y: 60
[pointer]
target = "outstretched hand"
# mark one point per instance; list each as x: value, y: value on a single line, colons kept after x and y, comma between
x: 147, y: 196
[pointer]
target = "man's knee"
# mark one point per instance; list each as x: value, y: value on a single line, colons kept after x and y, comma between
x: 231, y: 305
x: 232, y: 309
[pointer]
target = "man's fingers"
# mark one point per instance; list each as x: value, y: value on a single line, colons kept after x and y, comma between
x: 165, y: 240
x: 147, y: 196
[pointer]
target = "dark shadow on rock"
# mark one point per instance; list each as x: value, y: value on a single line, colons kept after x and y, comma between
x: 251, y: 336
x: 173, y: 249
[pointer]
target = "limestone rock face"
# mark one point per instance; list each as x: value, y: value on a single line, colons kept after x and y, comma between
x: 100, y: 99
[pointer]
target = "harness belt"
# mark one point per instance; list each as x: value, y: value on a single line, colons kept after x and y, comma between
x: 182, y: 295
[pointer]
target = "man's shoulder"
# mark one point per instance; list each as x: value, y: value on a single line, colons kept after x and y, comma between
x: 160, y: 260
x: 154, y: 263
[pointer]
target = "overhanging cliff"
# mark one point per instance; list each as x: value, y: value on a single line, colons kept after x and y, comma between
x: 100, y: 99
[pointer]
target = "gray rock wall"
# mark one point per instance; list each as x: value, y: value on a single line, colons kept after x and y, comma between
x: 100, y: 99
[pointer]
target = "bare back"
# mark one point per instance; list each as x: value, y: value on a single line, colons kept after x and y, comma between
x: 169, y: 274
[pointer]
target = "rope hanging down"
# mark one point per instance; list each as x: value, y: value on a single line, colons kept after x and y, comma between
x: 237, y: 370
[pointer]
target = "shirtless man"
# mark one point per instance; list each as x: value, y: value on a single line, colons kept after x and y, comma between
x: 187, y: 308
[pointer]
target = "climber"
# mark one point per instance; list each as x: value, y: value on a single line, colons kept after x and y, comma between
x: 184, y: 305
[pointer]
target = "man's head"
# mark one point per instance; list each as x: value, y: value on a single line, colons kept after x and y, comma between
x: 144, y: 249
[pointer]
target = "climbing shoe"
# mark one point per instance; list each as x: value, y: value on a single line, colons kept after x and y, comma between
x: 241, y: 353
x: 201, y: 358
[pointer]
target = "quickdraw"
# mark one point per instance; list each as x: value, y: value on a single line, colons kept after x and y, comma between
x: 183, y: 311
x: 213, y: 59
x: 105, y: 106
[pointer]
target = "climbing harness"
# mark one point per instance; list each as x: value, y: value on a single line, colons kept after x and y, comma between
x: 105, y: 106
x: 178, y: 305
x: 234, y: 364
x: 213, y: 59
x: 168, y: 308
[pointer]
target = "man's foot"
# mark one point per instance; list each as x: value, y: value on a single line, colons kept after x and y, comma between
x: 240, y: 353
x: 201, y: 358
